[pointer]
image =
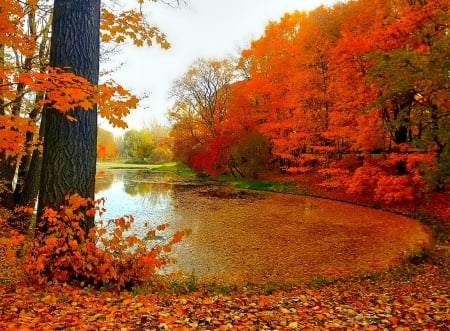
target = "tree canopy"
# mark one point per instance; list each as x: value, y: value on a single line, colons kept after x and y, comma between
x: 357, y: 92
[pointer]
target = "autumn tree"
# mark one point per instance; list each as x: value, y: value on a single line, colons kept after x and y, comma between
x: 27, y: 84
x: 248, y: 151
x: 412, y: 74
x: 334, y: 86
x: 199, y: 109
x: 162, y: 151
x: 289, y: 71
x: 24, y: 47
x: 385, y: 54
x: 138, y: 144
x: 250, y: 155
x: 204, y: 89
x: 69, y: 152
x: 353, y: 127
x: 106, y: 144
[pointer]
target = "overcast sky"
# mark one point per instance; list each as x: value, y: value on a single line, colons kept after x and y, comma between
x: 201, y: 29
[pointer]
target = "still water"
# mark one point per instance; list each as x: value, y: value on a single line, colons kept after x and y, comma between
x: 146, y: 195
x: 257, y: 236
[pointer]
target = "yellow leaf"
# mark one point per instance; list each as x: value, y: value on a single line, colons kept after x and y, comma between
x: 71, y: 118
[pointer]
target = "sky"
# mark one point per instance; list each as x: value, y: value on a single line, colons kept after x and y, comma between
x: 200, y: 29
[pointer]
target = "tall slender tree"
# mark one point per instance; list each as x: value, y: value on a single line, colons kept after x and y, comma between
x: 69, y: 155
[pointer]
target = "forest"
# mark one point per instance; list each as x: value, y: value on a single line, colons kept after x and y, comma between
x: 349, y: 102
x: 357, y: 93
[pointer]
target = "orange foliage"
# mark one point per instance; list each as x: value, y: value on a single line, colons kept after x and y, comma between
x: 64, y: 252
x: 66, y: 91
x: 394, y: 188
x: 12, y: 139
x: 130, y: 24
x: 352, y: 79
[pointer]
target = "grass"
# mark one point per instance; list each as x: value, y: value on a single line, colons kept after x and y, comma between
x: 168, y: 166
x: 418, y: 256
x: 319, y: 281
x: 266, y: 185
x: 186, y: 172
x: 102, y: 165
x: 184, y: 286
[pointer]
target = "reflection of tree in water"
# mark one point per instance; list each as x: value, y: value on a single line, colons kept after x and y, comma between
x: 154, y: 190
x: 103, y: 180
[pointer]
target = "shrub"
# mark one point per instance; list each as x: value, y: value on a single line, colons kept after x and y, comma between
x: 393, y: 189
x: 63, y: 251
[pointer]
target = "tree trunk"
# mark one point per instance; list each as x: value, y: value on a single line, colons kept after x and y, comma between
x: 7, y: 164
x: 29, y: 162
x: 27, y: 188
x: 31, y: 180
x: 69, y: 155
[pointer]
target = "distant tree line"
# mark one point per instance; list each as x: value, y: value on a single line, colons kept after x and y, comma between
x: 148, y: 145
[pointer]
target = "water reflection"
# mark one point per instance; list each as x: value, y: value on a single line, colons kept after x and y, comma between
x: 148, y: 196
x: 239, y: 237
x: 103, y: 180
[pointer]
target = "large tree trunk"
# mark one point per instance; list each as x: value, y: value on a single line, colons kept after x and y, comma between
x: 69, y: 155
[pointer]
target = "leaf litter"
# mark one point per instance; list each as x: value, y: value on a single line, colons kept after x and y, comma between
x: 405, y: 297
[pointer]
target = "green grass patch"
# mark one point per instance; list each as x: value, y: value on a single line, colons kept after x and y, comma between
x: 186, y: 172
x: 175, y: 167
x: 103, y: 165
x: 183, y: 286
x: 267, y: 185
x: 121, y: 165
x: 320, y: 281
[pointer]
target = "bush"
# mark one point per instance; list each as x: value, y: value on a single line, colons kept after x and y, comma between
x: 250, y: 155
x: 63, y: 251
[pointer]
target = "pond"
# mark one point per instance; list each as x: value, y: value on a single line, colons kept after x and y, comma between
x: 147, y: 195
x: 240, y: 235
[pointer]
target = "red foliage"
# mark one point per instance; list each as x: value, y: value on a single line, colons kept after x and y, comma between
x: 212, y: 159
x: 101, y: 151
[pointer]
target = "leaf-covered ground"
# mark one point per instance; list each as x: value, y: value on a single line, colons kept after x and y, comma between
x: 259, y: 237
x: 415, y: 298
x: 411, y: 296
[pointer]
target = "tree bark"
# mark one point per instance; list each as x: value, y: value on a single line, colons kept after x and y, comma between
x: 27, y: 188
x: 7, y: 164
x: 69, y: 155
x: 31, y: 180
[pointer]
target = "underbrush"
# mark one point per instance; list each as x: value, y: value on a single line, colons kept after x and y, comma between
x: 62, y: 251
